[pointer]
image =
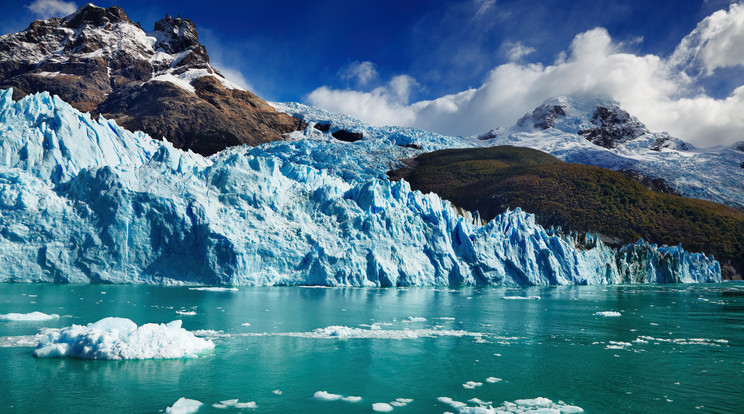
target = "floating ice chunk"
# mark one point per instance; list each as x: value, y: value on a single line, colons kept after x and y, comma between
x: 608, y: 314
x: 120, y: 338
x: 215, y: 289
x: 493, y: 380
x: 28, y: 317
x: 249, y: 404
x: 219, y: 405
x: 478, y: 401
x: 184, y: 406
x: 471, y: 385
x: 326, y: 396
x: 401, y: 402
x: 230, y: 403
x: 187, y: 313
x: 277, y: 392
x: 449, y: 401
x: 414, y: 319
x: 245, y: 324
x: 351, y: 399
x: 382, y: 407
x: 345, y: 332
x: 521, y: 297
x: 23, y: 341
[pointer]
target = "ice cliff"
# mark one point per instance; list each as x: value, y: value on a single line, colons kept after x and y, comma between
x: 86, y: 201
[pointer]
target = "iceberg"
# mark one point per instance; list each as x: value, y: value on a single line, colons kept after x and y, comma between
x: 120, y: 338
x: 305, y: 212
x: 35, y: 316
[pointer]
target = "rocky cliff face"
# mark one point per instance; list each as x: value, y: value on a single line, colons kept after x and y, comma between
x: 160, y: 82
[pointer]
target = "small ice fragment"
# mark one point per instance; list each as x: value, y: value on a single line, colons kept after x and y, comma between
x: 277, y: 392
x: 215, y: 289
x: 250, y: 404
x: 493, y: 380
x: 219, y: 405
x: 245, y: 324
x: 471, y: 385
x: 607, y: 314
x: 382, y: 407
x: 326, y: 396
x: 184, y: 406
x: 187, y: 313
x: 521, y: 297
x: 414, y: 319
x: 478, y: 401
x: 230, y: 403
x: 454, y: 404
x: 351, y: 399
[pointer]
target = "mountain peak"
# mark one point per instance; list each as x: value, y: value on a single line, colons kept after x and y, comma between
x: 90, y: 14
x: 160, y: 82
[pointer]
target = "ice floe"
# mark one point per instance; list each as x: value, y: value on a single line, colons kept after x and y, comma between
x: 27, y: 317
x: 608, y: 314
x: 521, y: 297
x: 382, y: 407
x: 184, y: 406
x: 120, y: 338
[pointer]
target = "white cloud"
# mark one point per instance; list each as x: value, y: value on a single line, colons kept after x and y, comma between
x: 650, y: 87
x: 45, y: 9
x: 715, y: 43
x: 516, y: 51
x: 386, y: 105
x: 234, y: 76
x: 362, y: 72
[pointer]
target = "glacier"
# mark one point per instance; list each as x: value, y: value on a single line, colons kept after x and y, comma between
x: 84, y: 201
x: 713, y: 174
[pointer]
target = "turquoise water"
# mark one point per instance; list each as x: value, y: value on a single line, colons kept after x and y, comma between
x: 677, y: 348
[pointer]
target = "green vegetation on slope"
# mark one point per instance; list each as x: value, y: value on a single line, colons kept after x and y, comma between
x: 578, y: 197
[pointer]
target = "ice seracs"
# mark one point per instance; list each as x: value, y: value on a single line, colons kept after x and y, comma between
x: 140, y: 211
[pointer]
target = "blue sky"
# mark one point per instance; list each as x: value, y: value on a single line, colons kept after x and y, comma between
x: 387, y: 61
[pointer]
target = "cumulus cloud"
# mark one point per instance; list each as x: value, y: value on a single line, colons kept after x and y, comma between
x: 361, y: 72
x: 715, y: 43
x: 516, y: 51
x: 651, y: 87
x: 45, y: 9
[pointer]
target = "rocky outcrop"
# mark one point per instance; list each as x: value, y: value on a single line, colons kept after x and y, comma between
x: 612, y: 126
x: 160, y: 82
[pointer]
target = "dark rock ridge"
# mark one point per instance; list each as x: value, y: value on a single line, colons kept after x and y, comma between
x: 543, y: 117
x: 612, y: 126
x: 654, y: 184
x: 160, y: 82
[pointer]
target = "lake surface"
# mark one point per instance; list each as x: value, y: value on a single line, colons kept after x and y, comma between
x: 674, y: 348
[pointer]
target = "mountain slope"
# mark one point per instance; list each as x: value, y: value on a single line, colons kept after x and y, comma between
x: 578, y: 197
x: 159, y: 82
x: 601, y: 133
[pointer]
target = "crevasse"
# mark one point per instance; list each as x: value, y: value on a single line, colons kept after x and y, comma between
x: 86, y: 201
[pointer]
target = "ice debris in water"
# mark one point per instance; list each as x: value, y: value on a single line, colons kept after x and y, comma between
x: 471, y: 385
x: 521, y: 297
x: 608, y: 314
x: 184, y: 406
x: 536, y: 405
x: 326, y: 396
x: 120, y: 338
x: 215, y: 289
x: 382, y: 407
x: 27, y: 317
x: 286, y: 213
x: 493, y: 380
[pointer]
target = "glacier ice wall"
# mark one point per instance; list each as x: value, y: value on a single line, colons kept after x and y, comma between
x: 290, y: 213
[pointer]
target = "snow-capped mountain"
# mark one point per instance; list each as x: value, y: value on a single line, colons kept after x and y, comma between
x: 160, y: 82
x: 601, y: 133
x: 86, y: 201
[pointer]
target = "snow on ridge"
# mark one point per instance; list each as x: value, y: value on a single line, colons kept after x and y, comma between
x: 120, y: 338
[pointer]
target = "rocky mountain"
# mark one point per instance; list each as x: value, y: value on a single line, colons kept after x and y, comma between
x: 159, y: 82
x: 599, y: 132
